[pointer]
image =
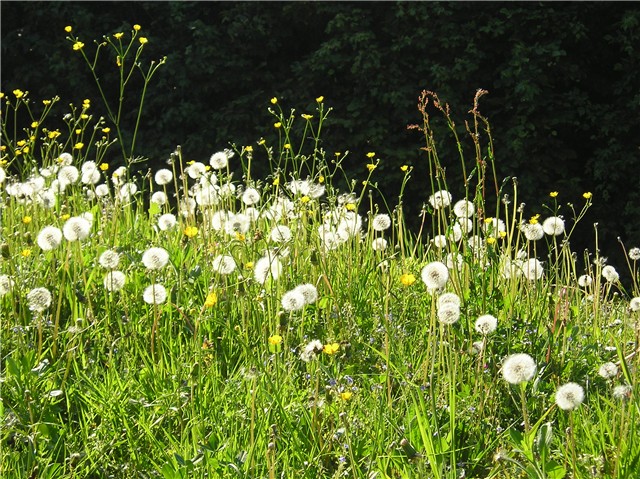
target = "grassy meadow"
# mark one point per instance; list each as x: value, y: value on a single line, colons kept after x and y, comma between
x: 198, y: 321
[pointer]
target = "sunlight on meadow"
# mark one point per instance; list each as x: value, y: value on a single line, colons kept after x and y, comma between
x: 199, y: 321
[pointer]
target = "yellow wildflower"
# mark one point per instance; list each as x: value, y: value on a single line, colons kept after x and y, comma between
x: 287, y: 146
x: 276, y: 181
x: 534, y: 219
x: 137, y: 27
x: 407, y: 279
x: 21, y: 143
x: 78, y: 146
x: 46, y: 102
x: 491, y: 240
x: 26, y: 149
x: 305, y: 199
x: 371, y: 154
x: 143, y: 40
x: 78, y: 45
x: 26, y: 252
x: 211, y: 300
x: 331, y: 349
x: 78, y: 131
x: 587, y: 195
x: 104, y: 166
x: 275, y: 340
x: 84, y: 116
x: 68, y: 29
x: 53, y: 134
x: 248, y: 148
x: 190, y: 231
x: 277, y: 124
x: 65, y: 217
x: 274, y: 100
x: 118, y: 35
x: 502, y: 234
x: 553, y: 194
x: 350, y: 206
x: 248, y: 265
x: 34, y: 124
x: 18, y: 93
x: 404, y: 168
x: 346, y: 395
x: 26, y: 220
x: 320, y: 99
x: 262, y: 141
x: 306, y: 117
x: 106, y: 130
x: 240, y: 236
x: 371, y: 166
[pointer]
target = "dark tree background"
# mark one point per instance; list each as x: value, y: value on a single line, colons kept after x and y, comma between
x: 563, y: 82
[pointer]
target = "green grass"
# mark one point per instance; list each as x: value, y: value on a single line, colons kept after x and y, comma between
x: 215, y: 380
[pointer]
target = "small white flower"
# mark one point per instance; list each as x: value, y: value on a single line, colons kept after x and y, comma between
x: 109, y: 259
x: 223, y: 264
x: 114, y: 280
x: 381, y: 222
x: 608, y: 370
x: 435, y: 275
x: 163, y: 176
x: 634, y: 304
x: 569, y: 396
x: 486, y: 324
x: 518, y: 368
x: 49, y: 238
x: 155, y: 258
x: 553, y: 226
x: 155, y: 294
x: 39, y: 299
x: 610, y: 274
x: 76, y: 228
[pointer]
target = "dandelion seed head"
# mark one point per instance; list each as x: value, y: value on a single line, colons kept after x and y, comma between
x: 267, y: 267
x: 49, y: 238
x: 311, y: 350
x: 76, y: 228
x: 196, y: 169
x: 464, y: 209
x: 114, y: 281
x: 39, y: 299
x: 553, y: 226
x: 6, y: 284
x: 293, y: 300
x: 584, y: 281
x: 634, y: 253
x: 532, y: 269
x: 448, y: 313
x: 486, y: 324
x: 435, y: 275
x: 251, y: 197
x: 610, y: 274
x: 622, y: 391
x: 608, y: 370
x: 167, y: 222
x: 280, y: 234
x: 440, y: 199
x: 448, y: 298
x: 379, y: 244
x: 224, y: 264
x: 109, y: 259
x: 155, y: 294
x: 155, y: 258
x: 532, y: 231
x: 309, y: 291
x: 439, y: 241
x: 381, y: 222
x: 159, y: 198
x: 163, y: 176
x: 569, y: 396
x: 518, y: 368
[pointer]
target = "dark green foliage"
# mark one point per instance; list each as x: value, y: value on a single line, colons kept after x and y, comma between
x: 563, y: 82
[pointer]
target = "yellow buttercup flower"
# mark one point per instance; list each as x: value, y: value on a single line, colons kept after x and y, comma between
x: 371, y: 154
x: 248, y: 265
x: 321, y: 179
x: 587, y: 195
x: 26, y: 220
x: 106, y: 130
x: 350, y: 206
x: 34, y: 124
x: 277, y: 124
x: 491, y: 240
x: 211, y: 300
x: 407, y: 279
x: 78, y: 131
x: 404, y: 168
x: 346, y: 395
x: 137, y: 27
x: 240, y: 236
x: 68, y: 29
x: 46, y: 102
x: 553, y: 194
x: 274, y: 100
x: 118, y: 35
x: 21, y: 143
x: 78, y: 45
x: 262, y: 141
x: 143, y: 40
x: 53, y: 134
x: 26, y: 252
x: 371, y: 166
x: 305, y: 199
x: 320, y: 99
x: 18, y: 93
x: 248, y: 148
x: 78, y: 146
x: 306, y: 117
x: 65, y: 217
x: 104, y: 166
x: 275, y: 340
x: 534, y: 219
x: 287, y: 146
x: 190, y: 231
x: 276, y: 181
x: 331, y: 349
